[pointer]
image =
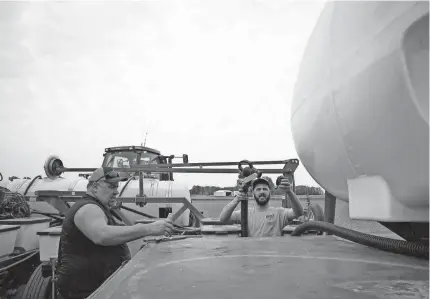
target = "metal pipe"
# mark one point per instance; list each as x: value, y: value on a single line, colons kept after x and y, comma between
x: 201, y: 164
x: 67, y: 196
x: 329, y: 209
x: 244, y: 218
x: 244, y: 204
x: 170, y: 159
x: 138, y: 212
x: 53, y: 278
x: 145, y: 168
x: 154, y: 167
x: 49, y: 215
x: 139, y: 155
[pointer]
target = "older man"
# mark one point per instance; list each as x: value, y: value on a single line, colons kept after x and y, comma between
x: 264, y: 220
x: 93, y: 244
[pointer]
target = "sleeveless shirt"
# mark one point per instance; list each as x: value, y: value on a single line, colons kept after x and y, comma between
x: 82, y: 265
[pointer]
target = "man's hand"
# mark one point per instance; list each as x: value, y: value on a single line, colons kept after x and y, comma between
x: 169, y: 219
x: 162, y: 227
x: 285, y: 184
x: 240, y: 182
x: 241, y: 196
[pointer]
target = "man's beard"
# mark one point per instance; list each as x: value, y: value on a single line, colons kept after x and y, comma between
x: 261, y: 202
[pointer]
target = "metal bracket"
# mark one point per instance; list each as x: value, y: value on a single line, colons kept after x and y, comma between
x: 53, y: 197
x: 140, y: 200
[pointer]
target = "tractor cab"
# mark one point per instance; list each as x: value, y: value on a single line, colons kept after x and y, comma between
x: 127, y: 156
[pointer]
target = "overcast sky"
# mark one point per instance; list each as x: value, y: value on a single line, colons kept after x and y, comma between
x: 213, y: 79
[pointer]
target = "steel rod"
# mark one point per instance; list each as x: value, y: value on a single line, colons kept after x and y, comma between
x: 201, y: 164
x: 176, y: 166
x: 72, y: 196
x: 178, y: 170
x: 329, y: 209
x: 138, y: 212
x: 244, y: 218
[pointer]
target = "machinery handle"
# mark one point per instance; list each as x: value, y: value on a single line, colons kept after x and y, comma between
x: 243, y: 162
x: 290, y: 166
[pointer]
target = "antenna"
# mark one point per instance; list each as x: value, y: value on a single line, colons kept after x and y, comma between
x: 146, y: 134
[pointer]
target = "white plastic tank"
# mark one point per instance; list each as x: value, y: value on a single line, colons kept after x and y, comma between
x: 360, y: 120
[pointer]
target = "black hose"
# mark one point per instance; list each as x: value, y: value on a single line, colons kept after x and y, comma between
x: 125, y: 185
x: 382, y: 243
x: 31, y: 183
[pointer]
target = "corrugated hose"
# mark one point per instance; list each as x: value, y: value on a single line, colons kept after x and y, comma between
x: 382, y: 243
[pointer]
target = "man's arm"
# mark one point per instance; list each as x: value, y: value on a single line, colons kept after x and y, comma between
x: 227, y: 211
x: 92, y: 222
x: 295, y: 203
x: 287, y: 216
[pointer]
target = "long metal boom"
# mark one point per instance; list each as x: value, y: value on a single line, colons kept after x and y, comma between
x: 187, y: 167
x: 157, y: 169
x: 202, y: 164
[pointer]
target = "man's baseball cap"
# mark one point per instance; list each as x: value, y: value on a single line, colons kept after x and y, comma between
x: 260, y: 181
x: 107, y: 174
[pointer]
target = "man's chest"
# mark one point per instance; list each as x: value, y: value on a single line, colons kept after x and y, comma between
x: 267, y: 218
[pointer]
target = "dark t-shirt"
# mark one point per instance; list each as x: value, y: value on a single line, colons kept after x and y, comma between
x: 83, y: 265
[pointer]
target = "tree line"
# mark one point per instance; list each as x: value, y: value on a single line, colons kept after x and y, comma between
x: 300, y: 189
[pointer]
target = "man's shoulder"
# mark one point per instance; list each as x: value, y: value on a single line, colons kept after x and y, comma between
x: 83, y: 204
x: 89, y: 209
x: 83, y: 211
x: 85, y: 200
x: 88, y: 213
x: 89, y: 206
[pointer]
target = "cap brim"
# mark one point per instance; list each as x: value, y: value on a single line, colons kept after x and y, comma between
x: 123, y: 176
x: 116, y: 180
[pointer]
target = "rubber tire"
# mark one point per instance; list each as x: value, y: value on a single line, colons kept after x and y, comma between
x: 318, y: 214
x: 37, y: 286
